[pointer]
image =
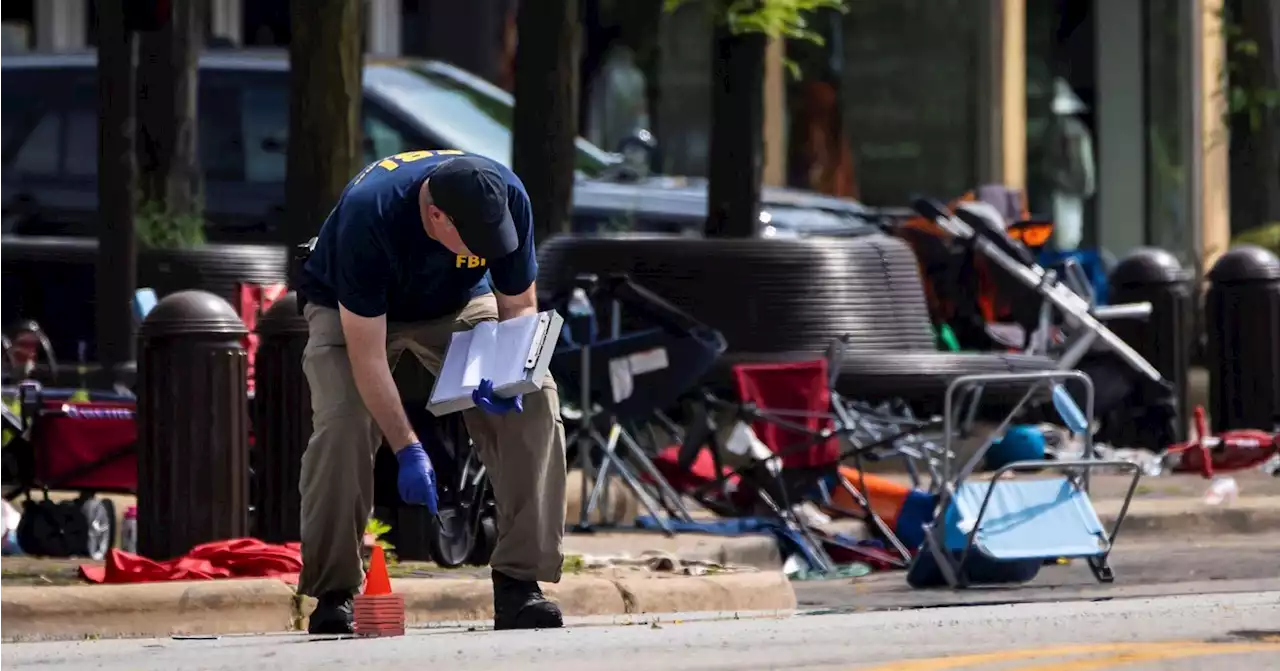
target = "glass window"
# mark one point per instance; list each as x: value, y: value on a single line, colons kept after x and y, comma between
x: 81, y: 150
x: 39, y: 152
x: 1169, y: 129
x: 467, y: 113
x: 264, y: 132
x: 18, y: 110
x: 381, y: 139
x: 221, y: 151
x: 909, y: 92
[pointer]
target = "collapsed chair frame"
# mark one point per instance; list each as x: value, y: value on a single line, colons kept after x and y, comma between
x: 1077, y: 471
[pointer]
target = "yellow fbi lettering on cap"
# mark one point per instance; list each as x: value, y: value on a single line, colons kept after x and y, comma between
x: 464, y: 261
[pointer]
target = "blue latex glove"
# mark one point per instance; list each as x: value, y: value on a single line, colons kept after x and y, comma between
x: 486, y: 400
x: 417, y: 479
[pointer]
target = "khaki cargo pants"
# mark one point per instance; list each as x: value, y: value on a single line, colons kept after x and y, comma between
x: 524, y: 455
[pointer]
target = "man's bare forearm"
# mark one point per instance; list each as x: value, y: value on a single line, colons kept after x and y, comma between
x: 367, y: 350
x: 510, y: 307
x: 382, y: 399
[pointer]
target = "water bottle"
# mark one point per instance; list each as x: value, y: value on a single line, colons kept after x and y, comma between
x: 129, y: 530
x: 581, y: 311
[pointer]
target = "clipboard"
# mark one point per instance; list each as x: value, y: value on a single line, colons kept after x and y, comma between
x: 515, y: 354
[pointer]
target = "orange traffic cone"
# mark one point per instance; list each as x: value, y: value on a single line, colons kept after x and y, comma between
x: 376, y: 581
x: 377, y: 611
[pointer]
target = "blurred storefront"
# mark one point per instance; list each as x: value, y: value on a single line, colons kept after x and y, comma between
x: 392, y: 27
x: 905, y: 97
x: 938, y: 96
x: 1148, y: 75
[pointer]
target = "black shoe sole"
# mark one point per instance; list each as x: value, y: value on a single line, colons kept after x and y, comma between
x: 531, y: 618
x: 330, y: 628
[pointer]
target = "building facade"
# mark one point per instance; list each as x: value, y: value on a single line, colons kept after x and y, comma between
x: 939, y: 96
x: 929, y: 96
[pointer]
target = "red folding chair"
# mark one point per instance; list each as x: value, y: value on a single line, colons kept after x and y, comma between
x: 791, y: 414
x: 796, y: 392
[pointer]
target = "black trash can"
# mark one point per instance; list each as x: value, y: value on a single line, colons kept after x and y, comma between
x: 193, y: 425
x: 1167, y: 337
x: 281, y: 421
x: 1242, y: 320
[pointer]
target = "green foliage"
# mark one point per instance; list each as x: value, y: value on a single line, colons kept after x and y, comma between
x: 1255, y: 103
x: 1267, y: 237
x: 161, y: 229
x: 376, y: 528
x: 772, y: 18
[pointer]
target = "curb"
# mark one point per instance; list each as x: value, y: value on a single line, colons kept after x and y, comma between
x: 1158, y: 517
x: 449, y: 600
x: 145, y: 610
x: 270, y: 606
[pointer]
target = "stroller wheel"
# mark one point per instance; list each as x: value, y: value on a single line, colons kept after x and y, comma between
x: 100, y: 523
x: 486, y: 539
x: 453, y: 535
x: 458, y: 533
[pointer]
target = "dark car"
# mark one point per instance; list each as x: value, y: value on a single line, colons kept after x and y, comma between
x: 50, y: 120
x: 50, y: 149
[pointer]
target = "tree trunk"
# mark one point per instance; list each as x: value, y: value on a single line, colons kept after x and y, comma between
x: 168, y: 62
x: 468, y: 34
x: 737, y: 120
x: 546, y: 109
x: 1255, y: 150
x: 324, y: 110
x: 117, y: 264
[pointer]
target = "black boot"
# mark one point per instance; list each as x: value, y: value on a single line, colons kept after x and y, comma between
x: 333, y: 614
x: 519, y: 604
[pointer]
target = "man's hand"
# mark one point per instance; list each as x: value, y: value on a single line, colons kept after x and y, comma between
x: 486, y: 400
x: 417, y: 479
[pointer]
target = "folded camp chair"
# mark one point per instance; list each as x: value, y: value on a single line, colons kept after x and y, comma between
x: 622, y: 381
x: 1003, y: 529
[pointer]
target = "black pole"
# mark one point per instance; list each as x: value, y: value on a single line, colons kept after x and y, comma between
x: 117, y: 264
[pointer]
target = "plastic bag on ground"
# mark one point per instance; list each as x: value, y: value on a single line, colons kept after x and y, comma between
x: 11, y: 519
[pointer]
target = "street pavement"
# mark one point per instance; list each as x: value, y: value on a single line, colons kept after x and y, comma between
x: 1143, y: 567
x: 1178, y: 604
x: 1167, y: 633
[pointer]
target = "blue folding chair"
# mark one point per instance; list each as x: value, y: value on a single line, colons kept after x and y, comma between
x: 1003, y: 529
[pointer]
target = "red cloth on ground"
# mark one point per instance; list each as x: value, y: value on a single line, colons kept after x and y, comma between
x: 235, y: 558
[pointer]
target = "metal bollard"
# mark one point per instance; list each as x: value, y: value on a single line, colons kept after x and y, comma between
x: 193, y: 425
x: 1242, y: 317
x: 1166, y: 337
x: 281, y: 421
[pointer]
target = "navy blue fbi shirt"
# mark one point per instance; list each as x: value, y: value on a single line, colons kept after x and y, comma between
x: 374, y: 256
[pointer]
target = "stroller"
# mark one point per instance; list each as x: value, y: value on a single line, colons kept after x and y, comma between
x: 984, y: 282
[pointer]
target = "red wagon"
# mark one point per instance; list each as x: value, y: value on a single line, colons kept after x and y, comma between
x: 61, y: 441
